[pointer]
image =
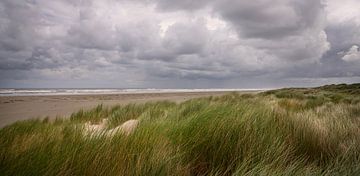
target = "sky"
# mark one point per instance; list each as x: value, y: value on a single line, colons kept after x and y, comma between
x: 178, y: 43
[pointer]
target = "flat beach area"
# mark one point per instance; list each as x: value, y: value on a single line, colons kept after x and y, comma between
x: 14, y: 108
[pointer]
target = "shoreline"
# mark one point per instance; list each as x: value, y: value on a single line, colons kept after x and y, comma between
x: 66, y: 92
x: 14, y: 108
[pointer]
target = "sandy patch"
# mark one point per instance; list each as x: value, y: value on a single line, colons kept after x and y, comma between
x: 94, y: 130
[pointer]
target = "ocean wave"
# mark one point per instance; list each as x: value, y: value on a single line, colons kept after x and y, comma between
x: 35, y: 92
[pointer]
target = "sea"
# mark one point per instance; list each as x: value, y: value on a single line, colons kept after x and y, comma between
x: 92, y: 91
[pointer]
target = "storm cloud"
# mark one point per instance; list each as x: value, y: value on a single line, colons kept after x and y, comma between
x: 178, y: 43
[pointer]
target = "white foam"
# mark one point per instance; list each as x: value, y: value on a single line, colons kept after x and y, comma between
x: 44, y: 92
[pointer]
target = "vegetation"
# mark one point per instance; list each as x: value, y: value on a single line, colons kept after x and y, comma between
x: 309, y: 131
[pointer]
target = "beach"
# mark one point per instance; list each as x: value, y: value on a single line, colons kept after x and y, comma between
x: 14, y: 108
x: 290, y: 131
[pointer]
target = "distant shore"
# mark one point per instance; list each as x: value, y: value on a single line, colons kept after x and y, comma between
x: 14, y: 108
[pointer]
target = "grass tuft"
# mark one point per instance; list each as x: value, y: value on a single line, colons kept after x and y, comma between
x: 311, y: 131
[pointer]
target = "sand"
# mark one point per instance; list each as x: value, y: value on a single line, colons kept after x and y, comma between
x: 94, y: 130
x: 14, y: 108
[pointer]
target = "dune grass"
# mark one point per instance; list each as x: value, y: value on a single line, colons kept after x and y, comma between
x: 281, y: 132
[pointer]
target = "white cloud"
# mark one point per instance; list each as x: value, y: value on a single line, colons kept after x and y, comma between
x: 352, y: 55
x: 343, y: 10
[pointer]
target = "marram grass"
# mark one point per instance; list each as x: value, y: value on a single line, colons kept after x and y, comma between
x: 281, y: 132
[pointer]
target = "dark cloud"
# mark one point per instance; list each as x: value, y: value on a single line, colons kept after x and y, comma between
x: 342, y: 36
x: 122, y: 43
x: 187, y: 38
x: 169, y: 5
x: 269, y: 19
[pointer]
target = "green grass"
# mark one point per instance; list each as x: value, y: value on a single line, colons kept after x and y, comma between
x: 282, y: 132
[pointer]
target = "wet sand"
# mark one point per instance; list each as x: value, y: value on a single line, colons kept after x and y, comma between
x: 14, y: 108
